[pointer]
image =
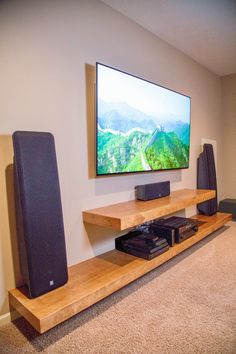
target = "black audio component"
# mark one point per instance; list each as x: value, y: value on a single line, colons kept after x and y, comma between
x: 153, y: 190
x: 183, y: 227
x: 144, y: 244
x: 39, y: 216
x: 146, y: 255
x: 165, y: 232
x: 206, y: 179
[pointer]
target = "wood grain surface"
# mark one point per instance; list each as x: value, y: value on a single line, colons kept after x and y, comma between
x: 135, y: 212
x: 96, y: 278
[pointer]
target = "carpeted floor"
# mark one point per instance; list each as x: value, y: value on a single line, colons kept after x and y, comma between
x: 187, y: 305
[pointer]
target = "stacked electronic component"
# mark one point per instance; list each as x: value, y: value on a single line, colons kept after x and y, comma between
x: 175, y: 229
x: 150, y: 240
x: 142, y: 243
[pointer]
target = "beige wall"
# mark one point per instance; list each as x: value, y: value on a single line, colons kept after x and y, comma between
x: 229, y: 135
x: 48, y: 51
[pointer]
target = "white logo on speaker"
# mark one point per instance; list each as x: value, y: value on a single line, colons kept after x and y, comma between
x: 51, y: 282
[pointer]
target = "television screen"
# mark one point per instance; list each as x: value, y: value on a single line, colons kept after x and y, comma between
x: 140, y: 126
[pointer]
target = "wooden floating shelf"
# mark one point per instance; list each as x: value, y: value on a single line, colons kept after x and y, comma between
x: 96, y: 278
x: 135, y: 212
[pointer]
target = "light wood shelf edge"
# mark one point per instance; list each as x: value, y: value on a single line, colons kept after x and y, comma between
x: 94, y: 279
x: 124, y: 215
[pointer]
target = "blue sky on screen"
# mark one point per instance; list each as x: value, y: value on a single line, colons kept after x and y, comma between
x: 116, y: 86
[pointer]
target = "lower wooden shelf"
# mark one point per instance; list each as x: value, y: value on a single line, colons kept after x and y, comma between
x: 96, y: 278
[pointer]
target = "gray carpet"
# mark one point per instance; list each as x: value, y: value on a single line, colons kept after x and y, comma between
x: 187, y: 305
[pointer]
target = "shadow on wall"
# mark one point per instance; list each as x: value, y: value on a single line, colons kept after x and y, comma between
x: 101, y: 239
x: 122, y: 183
x: 90, y: 75
x: 10, y: 270
x: 12, y: 224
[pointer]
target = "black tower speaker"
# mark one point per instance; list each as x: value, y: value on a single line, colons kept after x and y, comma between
x: 39, y: 216
x: 206, y: 179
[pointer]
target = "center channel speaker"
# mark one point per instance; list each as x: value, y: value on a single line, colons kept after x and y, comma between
x: 39, y: 218
x: 153, y: 190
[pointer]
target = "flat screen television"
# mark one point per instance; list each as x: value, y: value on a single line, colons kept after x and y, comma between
x: 140, y: 126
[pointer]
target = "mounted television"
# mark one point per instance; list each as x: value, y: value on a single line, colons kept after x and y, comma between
x: 140, y: 126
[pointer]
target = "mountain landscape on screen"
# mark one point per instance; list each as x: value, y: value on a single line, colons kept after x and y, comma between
x: 129, y: 140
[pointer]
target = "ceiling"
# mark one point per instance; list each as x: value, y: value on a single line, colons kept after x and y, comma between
x: 205, y: 30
